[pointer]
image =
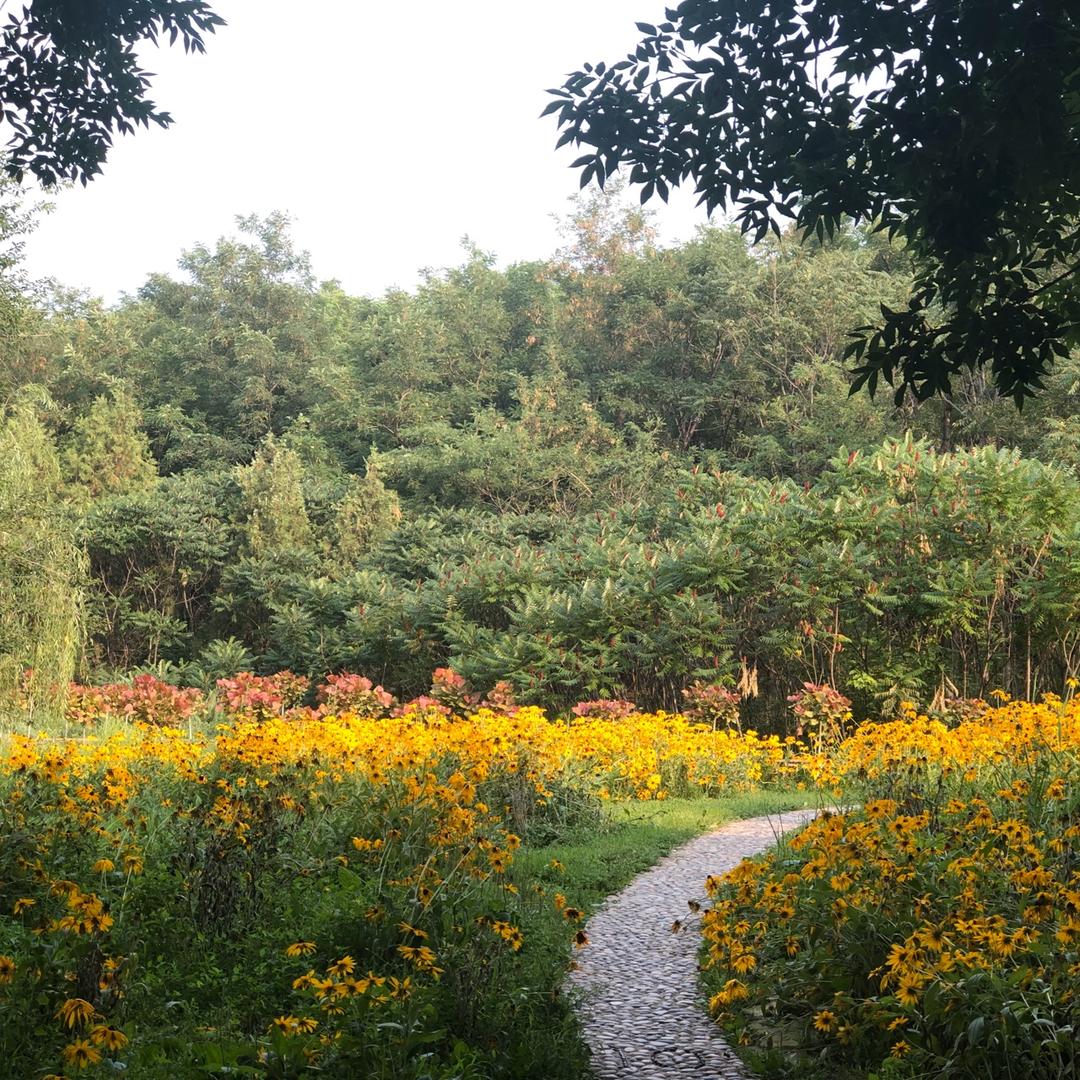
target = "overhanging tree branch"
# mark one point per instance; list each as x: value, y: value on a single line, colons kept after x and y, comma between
x: 954, y: 128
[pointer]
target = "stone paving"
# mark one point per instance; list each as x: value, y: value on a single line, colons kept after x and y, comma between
x: 636, y: 982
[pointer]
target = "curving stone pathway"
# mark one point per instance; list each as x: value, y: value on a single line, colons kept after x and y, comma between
x: 640, y: 1003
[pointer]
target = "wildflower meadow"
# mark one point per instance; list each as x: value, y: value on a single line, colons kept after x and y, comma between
x: 246, y: 884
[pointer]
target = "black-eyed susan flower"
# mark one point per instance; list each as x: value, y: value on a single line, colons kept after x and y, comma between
x: 81, y: 1053
x: 111, y: 1038
x: 345, y: 966
x: 909, y: 988
x: 74, y: 1012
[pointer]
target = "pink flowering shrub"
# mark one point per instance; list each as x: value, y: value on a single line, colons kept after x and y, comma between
x: 451, y: 695
x: 822, y: 714
x: 604, y: 709
x: 422, y: 706
x: 450, y: 689
x: 86, y: 705
x: 259, y: 697
x: 147, y: 699
x: 714, y: 705
x: 348, y: 693
x: 500, y: 699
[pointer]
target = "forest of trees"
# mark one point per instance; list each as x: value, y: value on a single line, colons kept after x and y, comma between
x: 610, y: 473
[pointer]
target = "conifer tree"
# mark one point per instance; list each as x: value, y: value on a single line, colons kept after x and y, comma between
x: 108, y: 453
x: 273, y: 489
x: 367, y: 514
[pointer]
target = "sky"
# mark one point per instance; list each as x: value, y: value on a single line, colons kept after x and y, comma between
x: 386, y: 131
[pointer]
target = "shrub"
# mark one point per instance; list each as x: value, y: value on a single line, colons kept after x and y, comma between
x: 260, y: 697
x: 347, y: 693
x: 146, y: 699
x: 604, y: 709
x: 821, y: 713
x: 712, y: 704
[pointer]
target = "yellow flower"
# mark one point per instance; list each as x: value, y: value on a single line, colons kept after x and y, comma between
x: 733, y: 990
x: 744, y: 964
x: 300, y: 948
x: 902, y: 957
x: 22, y: 904
x: 825, y: 1020
x: 932, y: 938
x: 7, y: 969
x: 103, y: 866
x: 110, y: 1038
x: 344, y: 966
x: 81, y: 1053
x: 907, y: 990
x: 75, y: 1012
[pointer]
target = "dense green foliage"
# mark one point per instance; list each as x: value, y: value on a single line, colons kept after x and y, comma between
x: 612, y: 473
x: 41, y: 569
x: 953, y: 125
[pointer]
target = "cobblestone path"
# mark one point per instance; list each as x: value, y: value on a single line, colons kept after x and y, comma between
x: 639, y: 997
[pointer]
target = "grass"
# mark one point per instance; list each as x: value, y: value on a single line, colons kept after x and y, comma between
x: 634, y: 835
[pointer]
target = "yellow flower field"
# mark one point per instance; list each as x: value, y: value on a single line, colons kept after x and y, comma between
x: 348, y: 882
x: 934, y: 930
x: 364, y: 861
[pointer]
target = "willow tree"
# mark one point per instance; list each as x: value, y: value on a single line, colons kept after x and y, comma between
x: 42, y: 572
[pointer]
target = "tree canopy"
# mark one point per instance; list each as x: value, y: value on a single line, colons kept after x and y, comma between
x: 70, y: 78
x: 612, y: 472
x: 954, y: 126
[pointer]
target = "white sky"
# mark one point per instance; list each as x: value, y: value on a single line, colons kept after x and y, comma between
x: 386, y: 137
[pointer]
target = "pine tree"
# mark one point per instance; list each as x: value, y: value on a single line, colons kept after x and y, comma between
x: 107, y: 452
x: 367, y: 514
x: 273, y: 488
